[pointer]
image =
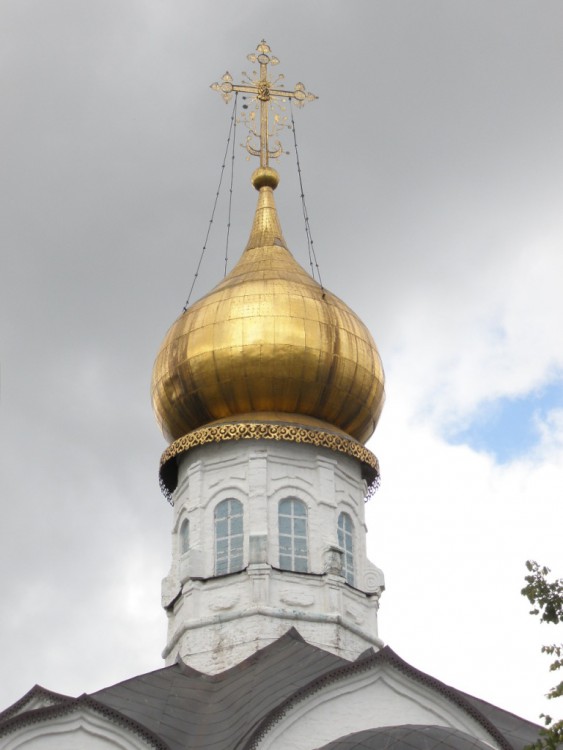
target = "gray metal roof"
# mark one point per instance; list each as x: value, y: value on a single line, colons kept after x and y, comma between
x: 519, y: 732
x: 408, y: 737
x: 178, y: 707
x: 190, y: 709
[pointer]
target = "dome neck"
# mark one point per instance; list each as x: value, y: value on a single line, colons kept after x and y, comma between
x: 266, y: 228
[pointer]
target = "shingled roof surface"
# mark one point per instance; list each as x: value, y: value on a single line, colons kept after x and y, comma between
x: 189, y: 709
x: 519, y: 732
x: 407, y: 737
x: 178, y: 707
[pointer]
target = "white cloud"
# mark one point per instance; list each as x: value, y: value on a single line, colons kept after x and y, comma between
x: 433, y: 171
x: 550, y: 429
x: 476, y: 340
x: 452, y: 530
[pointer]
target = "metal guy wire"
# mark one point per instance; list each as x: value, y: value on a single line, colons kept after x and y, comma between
x: 310, y: 244
x: 231, y: 127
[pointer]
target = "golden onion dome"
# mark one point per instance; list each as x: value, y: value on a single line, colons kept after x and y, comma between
x: 268, y: 342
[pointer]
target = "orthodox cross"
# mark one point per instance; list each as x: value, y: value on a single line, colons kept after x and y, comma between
x: 263, y: 92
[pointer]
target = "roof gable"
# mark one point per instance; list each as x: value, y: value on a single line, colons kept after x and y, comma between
x: 377, y: 690
x: 288, y: 685
x: 76, y: 722
x: 37, y: 697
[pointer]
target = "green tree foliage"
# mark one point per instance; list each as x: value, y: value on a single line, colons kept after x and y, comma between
x: 546, y: 597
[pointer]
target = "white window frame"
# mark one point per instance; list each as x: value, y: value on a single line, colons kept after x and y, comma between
x: 228, y: 521
x: 293, y: 533
x: 346, y: 543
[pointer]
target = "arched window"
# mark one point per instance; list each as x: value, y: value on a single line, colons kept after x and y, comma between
x: 184, y: 536
x: 292, y: 521
x: 228, y: 536
x: 346, y: 541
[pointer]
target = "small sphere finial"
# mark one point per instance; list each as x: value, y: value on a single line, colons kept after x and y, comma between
x: 265, y: 177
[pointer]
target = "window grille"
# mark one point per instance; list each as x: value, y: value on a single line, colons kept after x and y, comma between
x: 228, y: 537
x: 346, y: 542
x: 292, y: 522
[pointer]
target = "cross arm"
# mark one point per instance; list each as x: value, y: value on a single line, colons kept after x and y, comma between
x: 300, y: 93
x: 226, y: 87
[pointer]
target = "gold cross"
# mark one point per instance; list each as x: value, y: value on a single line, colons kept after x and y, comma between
x: 263, y: 91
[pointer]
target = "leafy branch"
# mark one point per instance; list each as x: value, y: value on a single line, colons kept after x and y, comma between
x: 546, y: 598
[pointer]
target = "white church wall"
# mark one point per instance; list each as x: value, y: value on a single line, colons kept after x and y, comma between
x: 83, y: 728
x: 260, y: 475
x: 383, y: 697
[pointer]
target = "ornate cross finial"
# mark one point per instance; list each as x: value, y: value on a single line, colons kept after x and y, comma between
x: 264, y: 94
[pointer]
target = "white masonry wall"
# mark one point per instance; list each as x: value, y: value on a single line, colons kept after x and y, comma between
x: 381, y: 697
x: 217, y: 621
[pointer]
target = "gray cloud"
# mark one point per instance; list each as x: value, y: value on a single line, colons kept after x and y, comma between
x: 433, y: 169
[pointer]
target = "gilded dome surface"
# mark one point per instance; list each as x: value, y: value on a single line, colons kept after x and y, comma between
x: 268, y: 338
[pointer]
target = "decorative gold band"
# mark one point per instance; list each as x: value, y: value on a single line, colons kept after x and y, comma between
x: 265, y: 431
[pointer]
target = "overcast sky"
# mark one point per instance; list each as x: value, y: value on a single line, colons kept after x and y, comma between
x: 433, y: 170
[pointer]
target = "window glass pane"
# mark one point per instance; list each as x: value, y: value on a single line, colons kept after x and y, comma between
x: 346, y: 541
x: 292, y: 527
x: 301, y: 547
x: 285, y: 544
x: 235, y: 508
x: 285, y: 525
x: 236, y: 525
x: 222, y: 510
x: 236, y: 543
x: 184, y: 536
x: 285, y: 507
x: 285, y: 562
x: 229, y: 536
x: 222, y: 546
